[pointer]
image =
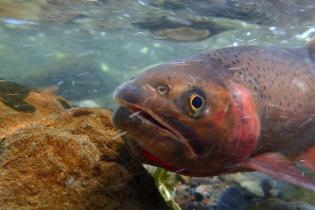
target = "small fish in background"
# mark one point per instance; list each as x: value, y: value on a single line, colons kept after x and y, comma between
x: 249, y: 108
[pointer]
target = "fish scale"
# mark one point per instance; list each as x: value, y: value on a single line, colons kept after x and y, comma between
x: 255, y: 111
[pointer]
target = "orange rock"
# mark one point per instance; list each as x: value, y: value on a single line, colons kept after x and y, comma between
x: 41, y: 10
x: 21, y: 107
x: 71, y: 159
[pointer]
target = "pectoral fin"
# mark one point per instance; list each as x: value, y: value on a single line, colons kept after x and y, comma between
x: 276, y: 165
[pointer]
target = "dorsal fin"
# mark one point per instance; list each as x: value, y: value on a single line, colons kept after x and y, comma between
x: 310, y: 46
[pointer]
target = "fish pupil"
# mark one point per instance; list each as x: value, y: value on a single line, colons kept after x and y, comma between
x: 197, y: 102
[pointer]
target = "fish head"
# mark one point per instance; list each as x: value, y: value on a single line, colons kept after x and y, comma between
x: 179, y: 116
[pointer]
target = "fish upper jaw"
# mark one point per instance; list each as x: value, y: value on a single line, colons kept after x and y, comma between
x: 128, y: 93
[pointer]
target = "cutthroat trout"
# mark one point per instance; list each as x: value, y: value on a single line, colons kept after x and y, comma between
x: 234, y: 109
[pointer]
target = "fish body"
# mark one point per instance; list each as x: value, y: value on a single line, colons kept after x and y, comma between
x: 233, y: 109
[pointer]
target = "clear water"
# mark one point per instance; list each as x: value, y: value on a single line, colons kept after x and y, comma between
x: 88, y: 47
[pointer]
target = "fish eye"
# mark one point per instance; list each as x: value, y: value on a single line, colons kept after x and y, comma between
x: 162, y: 89
x: 196, y: 102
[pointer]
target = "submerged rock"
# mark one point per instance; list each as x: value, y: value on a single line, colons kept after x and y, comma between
x: 180, y: 29
x: 277, y: 204
x: 237, y: 192
x: 56, y: 10
x: 183, y: 34
x: 22, y: 107
x: 75, y: 159
x: 261, y: 12
x: 159, y: 17
x: 188, y: 28
x: 232, y: 199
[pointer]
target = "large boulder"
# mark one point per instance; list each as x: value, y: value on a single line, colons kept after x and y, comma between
x: 52, y: 158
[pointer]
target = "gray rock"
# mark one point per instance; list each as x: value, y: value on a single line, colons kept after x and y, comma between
x: 233, y: 199
x: 277, y: 204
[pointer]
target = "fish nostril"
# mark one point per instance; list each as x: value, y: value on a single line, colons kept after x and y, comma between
x: 129, y: 93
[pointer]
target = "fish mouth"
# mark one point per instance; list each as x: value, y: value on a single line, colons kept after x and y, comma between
x: 134, y: 116
x: 153, y: 120
x: 148, y: 117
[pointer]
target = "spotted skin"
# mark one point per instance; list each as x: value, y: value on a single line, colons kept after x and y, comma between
x: 281, y: 82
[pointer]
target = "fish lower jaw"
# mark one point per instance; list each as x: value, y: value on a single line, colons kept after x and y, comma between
x: 152, y: 120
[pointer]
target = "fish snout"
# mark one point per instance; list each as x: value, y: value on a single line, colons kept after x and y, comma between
x: 129, y: 93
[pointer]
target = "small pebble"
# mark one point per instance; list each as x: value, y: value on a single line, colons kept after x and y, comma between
x: 253, y: 187
x: 87, y: 103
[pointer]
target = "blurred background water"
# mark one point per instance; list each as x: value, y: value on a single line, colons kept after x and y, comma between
x: 87, y: 48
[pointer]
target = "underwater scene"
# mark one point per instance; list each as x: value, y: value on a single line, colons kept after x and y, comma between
x: 157, y: 105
